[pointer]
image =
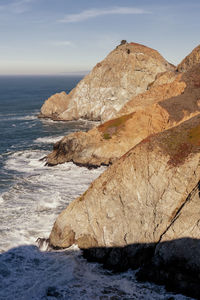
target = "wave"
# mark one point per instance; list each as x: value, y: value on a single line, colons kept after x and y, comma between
x: 25, y: 161
x: 40, y: 193
x: 18, y: 118
x: 48, y: 139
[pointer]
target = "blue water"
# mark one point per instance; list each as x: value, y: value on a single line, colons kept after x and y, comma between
x: 31, y: 197
x: 20, y: 102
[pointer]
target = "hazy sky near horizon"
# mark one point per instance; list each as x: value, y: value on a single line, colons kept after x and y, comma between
x: 60, y: 36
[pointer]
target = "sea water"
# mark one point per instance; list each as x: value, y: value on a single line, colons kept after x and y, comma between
x: 31, y: 197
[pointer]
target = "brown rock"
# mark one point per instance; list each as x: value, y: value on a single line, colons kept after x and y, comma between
x: 142, y: 191
x: 124, y: 73
x: 54, y: 105
x: 160, y: 108
x: 190, y: 60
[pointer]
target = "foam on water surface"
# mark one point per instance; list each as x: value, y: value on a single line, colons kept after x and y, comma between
x: 48, y: 139
x: 31, y: 197
x: 39, y: 193
x: 28, y: 210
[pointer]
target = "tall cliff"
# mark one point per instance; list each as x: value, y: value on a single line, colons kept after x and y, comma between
x: 144, y: 209
x: 125, y: 72
x: 161, y: 107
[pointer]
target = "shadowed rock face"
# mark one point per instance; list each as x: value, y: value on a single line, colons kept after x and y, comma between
x: 124, y: 73
x: 159, y: 108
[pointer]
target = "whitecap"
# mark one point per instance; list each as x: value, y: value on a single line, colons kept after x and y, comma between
x: 19, y: 118
x: 48, y: 139
x: 25, y: 161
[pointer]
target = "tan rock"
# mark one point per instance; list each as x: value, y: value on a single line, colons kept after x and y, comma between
x: 160, y: 108
x: 124, y: 73
x: 136, y: 200
x: 190, y: 60
x: 54, y: 105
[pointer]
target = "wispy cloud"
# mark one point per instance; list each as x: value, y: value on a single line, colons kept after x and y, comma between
x: 93, y: 13
x: 61, y: 43
x: 16, y: 7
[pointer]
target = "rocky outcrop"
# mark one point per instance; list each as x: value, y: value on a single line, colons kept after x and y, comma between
x: 54, y: 105
x: 124, y: 73
x: 143, y: 202
x: 190, y: 60
x: 161, y: 107
x: 144, y: 189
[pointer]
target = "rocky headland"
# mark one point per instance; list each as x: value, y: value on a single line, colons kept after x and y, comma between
x: 161, y: 107
x: 124, y: 73
x: 143, y: 211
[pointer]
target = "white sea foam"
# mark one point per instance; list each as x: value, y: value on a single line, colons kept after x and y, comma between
x: 26, y: 161
x: 19, y: 118
x: 40, y: 193
x: 48, y: 139
x: 27, y: 212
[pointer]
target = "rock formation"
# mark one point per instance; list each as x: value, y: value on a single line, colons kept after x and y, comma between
x: 161, y: 107
x: 190, y: 60
x: 124, y: 73
x: 55, y: 105
x: 146, y: 200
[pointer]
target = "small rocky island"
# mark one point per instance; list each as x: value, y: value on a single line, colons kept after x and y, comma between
x: 143, y: 212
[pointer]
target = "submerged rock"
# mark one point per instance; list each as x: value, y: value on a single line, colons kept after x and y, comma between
x: 124, y: 73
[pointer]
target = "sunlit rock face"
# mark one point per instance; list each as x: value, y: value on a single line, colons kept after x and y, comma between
x: 125, y: 72
x: 190, y: 60
x: 142, y: 191
x: 161, y: 107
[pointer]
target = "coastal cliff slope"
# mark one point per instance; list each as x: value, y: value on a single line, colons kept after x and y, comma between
x: 141, y: 206
x: 142, y: 191
x: 190, y: 60
x: 125, y: 72
x: 161, y: 107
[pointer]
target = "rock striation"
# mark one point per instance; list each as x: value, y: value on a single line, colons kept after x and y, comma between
x: 175, y: 99
x: 125, y: 72
x: 145, y: 202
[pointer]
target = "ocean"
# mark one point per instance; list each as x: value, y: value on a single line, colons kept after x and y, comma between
x: 31, y: 197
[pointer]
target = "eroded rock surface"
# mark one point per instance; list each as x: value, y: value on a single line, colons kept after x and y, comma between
x: 158, y: 109
x: 190, y: 60
x: 142, y: 192
x: 141, y: 210
x: 124, y: 73
x: 55, y: 105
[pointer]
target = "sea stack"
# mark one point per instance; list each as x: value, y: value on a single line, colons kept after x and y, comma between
x: 126, y: 72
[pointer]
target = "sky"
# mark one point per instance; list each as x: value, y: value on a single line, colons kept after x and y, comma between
x: 71, y: 36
